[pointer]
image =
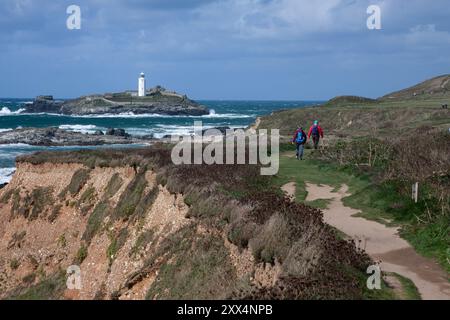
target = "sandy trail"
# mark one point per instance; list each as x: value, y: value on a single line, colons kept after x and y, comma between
x: 289, y: 189
x: 382, y: 243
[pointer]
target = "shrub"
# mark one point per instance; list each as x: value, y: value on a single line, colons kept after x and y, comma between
x: 197, y: 266
x: 131, y: 197
x: 62, y: 241
x: 55, y: 213
x: 113, y: 186
x: 95, y: 220
x: 51, y: 288
x: 14, y: 264
x: 117, y: 243
x: 32, y: 206
x: 141, y: 242
x: 272, y: 240
x: 79, y: 179
x: 29, y: 278
x: 81, y: 255
x: 7, y: 196
x: 17, y: 239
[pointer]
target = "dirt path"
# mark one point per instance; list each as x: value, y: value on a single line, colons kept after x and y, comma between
x: 289, y: 189
x: 381, y: 243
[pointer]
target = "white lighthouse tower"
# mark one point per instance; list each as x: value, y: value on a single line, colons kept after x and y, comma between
x: 141, y: 87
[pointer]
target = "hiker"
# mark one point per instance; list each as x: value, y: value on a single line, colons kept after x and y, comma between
x: 300, y: 140
x: 316, y: 132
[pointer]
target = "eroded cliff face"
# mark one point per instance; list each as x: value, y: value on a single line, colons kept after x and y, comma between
x: 139, y: 227
x: 120, y: 227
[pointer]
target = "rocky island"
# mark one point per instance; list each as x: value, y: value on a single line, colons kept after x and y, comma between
x: 157, y: 100
x: 58, y: 137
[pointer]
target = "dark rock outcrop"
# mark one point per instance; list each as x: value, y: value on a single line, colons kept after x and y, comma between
x: 99, y: 133
x: 117, y: 132
x: 60, y: 137
x: 157, y: 101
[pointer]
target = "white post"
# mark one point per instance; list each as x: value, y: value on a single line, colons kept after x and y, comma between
x: 415, y: 192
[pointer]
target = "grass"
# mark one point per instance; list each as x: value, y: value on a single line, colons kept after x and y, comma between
x: 113, y: 186
x: 14, y: 264
x: 344, y: 117
x: 247, y: 206
x: 381, y: 203
x: 79, y: 179
x: 88, y: 196
x: 319, y: 203
x: 407, y: 291
x: 198, y: 268
x: 31, y: 206
x: 81, y: 255
x: 7, y: 195
x: 410, y: 291
x: 131, y: 197
x: 312, y: 171
x: 95, y: 220
x: 142, y: 240
x: 117, y: 242
x: 55, y: 212
x: 51, y: 288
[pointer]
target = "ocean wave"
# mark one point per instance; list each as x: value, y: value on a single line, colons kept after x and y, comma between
x: 5, y: 130
x: 212, y: 115
x: 6, y: 174
x: 79, y: 128
x: 15, y: 145
x: 229, y: 116
x: 5, y: 111
x: 161, y: 130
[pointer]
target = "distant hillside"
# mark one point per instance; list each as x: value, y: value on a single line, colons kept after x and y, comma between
x: 348, y: 100
x: 436, y: 86
x: 393, y: 115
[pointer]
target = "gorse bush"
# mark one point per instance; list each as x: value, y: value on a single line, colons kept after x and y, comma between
x: 360, y: 153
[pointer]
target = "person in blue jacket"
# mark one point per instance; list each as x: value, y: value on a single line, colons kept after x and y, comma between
x: 300, y: 139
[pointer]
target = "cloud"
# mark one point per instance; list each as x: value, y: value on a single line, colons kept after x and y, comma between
x: 222, y: 39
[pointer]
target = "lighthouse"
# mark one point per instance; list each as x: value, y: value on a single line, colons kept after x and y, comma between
x: 141, y: 87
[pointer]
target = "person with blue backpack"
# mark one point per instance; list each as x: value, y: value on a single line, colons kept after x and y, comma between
x: 316, y: 132
x: 300, y: 140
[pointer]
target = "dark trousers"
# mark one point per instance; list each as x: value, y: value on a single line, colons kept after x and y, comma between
x: 316, y: 140
x: 300, y: 150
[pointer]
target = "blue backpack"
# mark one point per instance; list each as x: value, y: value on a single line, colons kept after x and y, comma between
x: 300, y: 137
x: 315, y: 130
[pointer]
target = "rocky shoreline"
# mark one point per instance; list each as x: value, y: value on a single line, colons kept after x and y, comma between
x: 158, y: 101
x: 59, y: 137
x: 55, y: 137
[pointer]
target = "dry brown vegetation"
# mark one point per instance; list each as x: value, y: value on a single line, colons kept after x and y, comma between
x: 231, y: 201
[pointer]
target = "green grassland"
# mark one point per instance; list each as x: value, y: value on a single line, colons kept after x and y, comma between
x: 344, y: 118
x: 377, y: 202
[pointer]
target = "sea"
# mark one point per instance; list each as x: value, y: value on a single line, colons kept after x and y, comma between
x: 233, y: 114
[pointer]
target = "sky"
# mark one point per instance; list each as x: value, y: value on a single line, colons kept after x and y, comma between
x: 222, y: 49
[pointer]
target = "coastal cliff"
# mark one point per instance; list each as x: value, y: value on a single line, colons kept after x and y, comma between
x: 158, y: 101
x: 139, y: 227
